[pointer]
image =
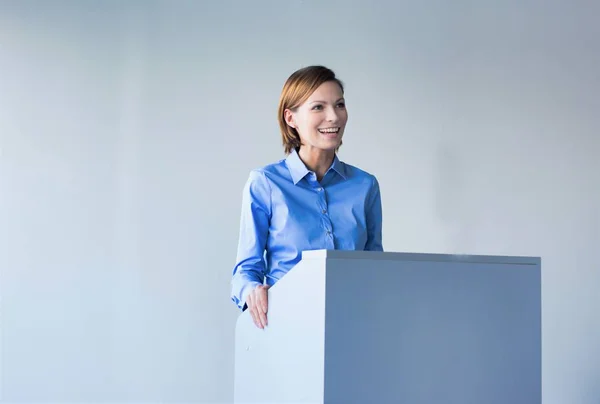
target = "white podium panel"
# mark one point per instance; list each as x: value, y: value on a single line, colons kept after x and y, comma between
x: 372, y: 327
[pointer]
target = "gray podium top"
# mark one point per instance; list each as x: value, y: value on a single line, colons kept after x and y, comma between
x: 406, y: 256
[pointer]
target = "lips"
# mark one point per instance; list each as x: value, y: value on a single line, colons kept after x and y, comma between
x: 329, y: 131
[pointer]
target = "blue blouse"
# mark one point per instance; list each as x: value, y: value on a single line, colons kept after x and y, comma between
x: 285, y: 211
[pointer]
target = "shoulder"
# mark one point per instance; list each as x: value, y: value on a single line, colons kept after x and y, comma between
x: 264, y: 177
x: 268, y: 171
x: 360, y: 176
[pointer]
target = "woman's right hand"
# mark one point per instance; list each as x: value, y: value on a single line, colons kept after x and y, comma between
x: 258, y: 305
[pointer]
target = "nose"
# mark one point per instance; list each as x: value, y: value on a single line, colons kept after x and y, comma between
x: 332, y: 115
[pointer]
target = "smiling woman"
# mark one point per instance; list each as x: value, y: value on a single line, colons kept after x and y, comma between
x: 312, y: 100
x: 308, y: 201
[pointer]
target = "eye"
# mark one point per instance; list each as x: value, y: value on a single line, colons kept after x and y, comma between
x: 341, y: 104
x: 317, y: 107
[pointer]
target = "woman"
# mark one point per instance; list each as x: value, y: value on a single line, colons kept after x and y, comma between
x: 308, y: 201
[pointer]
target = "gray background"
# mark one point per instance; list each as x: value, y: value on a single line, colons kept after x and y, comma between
x: 128, y: 130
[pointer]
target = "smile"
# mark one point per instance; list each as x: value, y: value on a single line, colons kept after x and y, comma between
x: 329, y: 130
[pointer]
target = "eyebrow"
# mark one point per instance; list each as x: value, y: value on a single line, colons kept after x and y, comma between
x: 323, y: 102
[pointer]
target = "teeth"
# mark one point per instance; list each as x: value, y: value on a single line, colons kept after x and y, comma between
x: 329, y: 130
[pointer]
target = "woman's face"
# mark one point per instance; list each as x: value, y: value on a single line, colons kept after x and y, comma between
x: 321, y: 119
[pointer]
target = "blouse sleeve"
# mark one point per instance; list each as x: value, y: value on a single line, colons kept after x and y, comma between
x: 250, y: 268
x: 374, y: 218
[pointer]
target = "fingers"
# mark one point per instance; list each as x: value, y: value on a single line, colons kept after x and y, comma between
x: 262, y: 305
x: 252, y: 309
x: 258, y: 306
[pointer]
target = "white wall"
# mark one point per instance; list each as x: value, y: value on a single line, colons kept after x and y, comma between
x: 128, y: 130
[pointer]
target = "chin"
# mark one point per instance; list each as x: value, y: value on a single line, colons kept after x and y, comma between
x: 332, y: 146
x: 331, y: 141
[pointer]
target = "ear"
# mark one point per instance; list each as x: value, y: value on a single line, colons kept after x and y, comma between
x: 290, y: 118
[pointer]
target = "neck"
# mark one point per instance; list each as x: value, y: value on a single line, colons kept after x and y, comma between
x: 317, y: 160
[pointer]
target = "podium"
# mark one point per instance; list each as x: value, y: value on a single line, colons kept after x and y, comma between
x: 382, y: 327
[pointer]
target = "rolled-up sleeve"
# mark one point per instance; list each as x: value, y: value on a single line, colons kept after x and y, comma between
x: 374, y: 218
x: 249, y: 270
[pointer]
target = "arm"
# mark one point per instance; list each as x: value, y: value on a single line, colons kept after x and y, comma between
x: 374, y: 218
x: 250, y: 269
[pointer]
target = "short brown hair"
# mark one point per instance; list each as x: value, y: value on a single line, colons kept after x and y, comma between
x: 298, y: 87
